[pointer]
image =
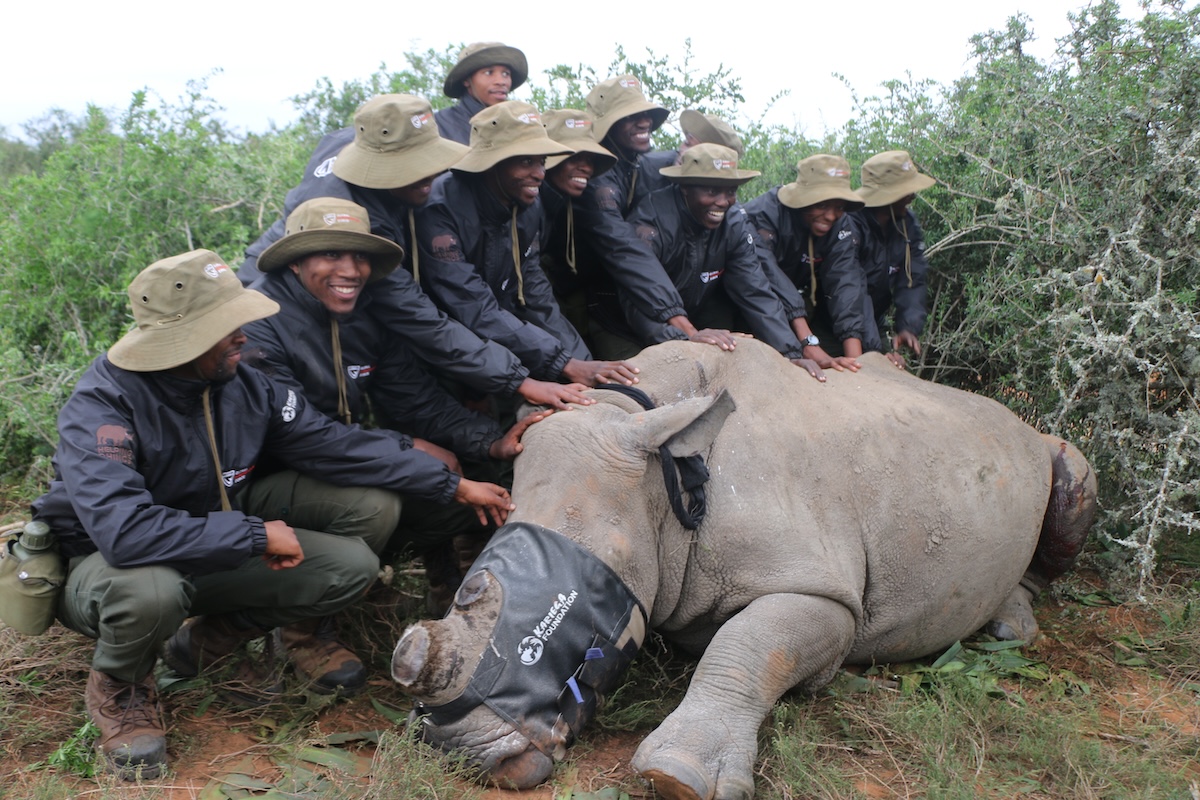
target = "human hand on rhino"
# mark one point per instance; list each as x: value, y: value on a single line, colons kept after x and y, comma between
x: 509, y: 446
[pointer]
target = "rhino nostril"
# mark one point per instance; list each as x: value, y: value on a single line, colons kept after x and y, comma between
x: 471, y: 589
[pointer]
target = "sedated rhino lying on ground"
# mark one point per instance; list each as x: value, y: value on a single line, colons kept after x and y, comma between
x: 874, y: 518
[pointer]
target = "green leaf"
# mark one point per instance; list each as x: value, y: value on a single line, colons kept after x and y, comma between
x: 336, y: 758
x: 394, y: 715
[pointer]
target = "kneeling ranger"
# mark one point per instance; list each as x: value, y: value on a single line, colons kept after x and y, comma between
x: 159, y: 513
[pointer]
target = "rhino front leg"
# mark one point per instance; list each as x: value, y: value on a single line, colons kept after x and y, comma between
x: 706, y: 749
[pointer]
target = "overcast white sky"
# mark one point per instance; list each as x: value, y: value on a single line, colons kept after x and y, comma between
x: 76, y: 53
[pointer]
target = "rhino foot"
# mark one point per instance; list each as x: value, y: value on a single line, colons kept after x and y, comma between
x: 675, y: 772
x: 1014, y: 619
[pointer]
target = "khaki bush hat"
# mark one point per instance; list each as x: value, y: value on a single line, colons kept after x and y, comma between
x: 889, y: 176
x: 616, y: 98
x: 576, y: 129
x: 182, y: 306
x: 507, y: 130
x: 709, y: 165
x: 478, y: 55
x: 396, y: 143
x: 331, y: 223
x: 712, y: 129
x: 820, y: 178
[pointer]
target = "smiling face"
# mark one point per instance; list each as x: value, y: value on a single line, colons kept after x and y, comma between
x: 335, y: 277
x: 518, y: 179
x: 821, y: 217
x: 219, y: 362
x: 708, y: 204
x: 415, y: 194
x: 571, y: 176
x: 490, y: 85
x: 632, y: 133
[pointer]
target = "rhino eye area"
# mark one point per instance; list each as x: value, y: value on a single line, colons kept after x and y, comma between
x: 471, y: 589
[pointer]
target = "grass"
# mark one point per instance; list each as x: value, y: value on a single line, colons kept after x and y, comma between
x: 1105, y: 705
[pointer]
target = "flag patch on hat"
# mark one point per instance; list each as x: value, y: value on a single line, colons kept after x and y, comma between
x: 214, y: 271
x: 420, y: 120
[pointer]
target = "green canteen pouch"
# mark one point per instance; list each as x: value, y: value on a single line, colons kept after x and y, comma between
x: 29, y: 589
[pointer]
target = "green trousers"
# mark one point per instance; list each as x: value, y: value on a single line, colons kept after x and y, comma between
x: 131, y: 612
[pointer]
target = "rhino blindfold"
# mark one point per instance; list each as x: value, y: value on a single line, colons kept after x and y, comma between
x: 568, y: 629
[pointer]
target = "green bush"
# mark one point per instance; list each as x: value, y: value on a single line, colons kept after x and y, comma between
x: 1062, y: 232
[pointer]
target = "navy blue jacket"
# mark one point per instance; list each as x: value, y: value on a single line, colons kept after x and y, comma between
x: 295, y: 347
x: 716, y: 272
x: 608, y: 255
x: 888, y: 281
x: 781, y: 239
x: 399, y: 303
x: 465, y: 235
x: 454, y: 122
x: 134, y: 476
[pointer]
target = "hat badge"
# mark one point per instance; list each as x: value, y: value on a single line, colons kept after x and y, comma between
x: 906, y: 166
x: 529, y: 118
x: 329, y: 219
x: 420, y: 120
x: 723, y: 163
x: 834, y: 172
x: 629, y: 83
x: 213, y: 271
x: 576, y: 123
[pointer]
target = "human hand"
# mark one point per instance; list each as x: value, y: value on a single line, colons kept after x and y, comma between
x: 594, y: 373
x: 509, y: 446
x: 488, y: 499
x: 555, y: 395
x: 283, y: 548
x: 826, y: 361
x: 810, y: 366
x: 717, y: 337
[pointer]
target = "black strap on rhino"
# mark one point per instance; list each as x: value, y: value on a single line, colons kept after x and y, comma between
x: 690, y: 468
x: 568, y: 629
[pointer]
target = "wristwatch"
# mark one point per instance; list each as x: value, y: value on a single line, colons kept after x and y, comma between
x: 810, y: 341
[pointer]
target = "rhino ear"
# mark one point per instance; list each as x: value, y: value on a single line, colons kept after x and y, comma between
x: 687, y: 427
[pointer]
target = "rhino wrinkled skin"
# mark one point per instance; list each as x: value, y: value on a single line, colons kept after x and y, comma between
x: 873, y: 518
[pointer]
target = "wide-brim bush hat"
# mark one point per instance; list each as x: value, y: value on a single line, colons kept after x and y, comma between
x: 712, y: 129
x: 708, y: 165
x: 396, y: 143
x: 889, y: 176
x: 576, y: 129
x: 820, y: 178
x: 331, y: 223
x: 507, y: 130
x: 612, y: 100
x: 478, y: 55
x: 182, y: 306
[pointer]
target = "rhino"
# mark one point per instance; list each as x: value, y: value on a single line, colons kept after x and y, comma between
x: 873, y: 518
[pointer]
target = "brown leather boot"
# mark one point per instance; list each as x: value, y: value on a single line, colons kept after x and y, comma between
x: 133, y: 737
x: 217, y: 644
x: 321, y: 658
